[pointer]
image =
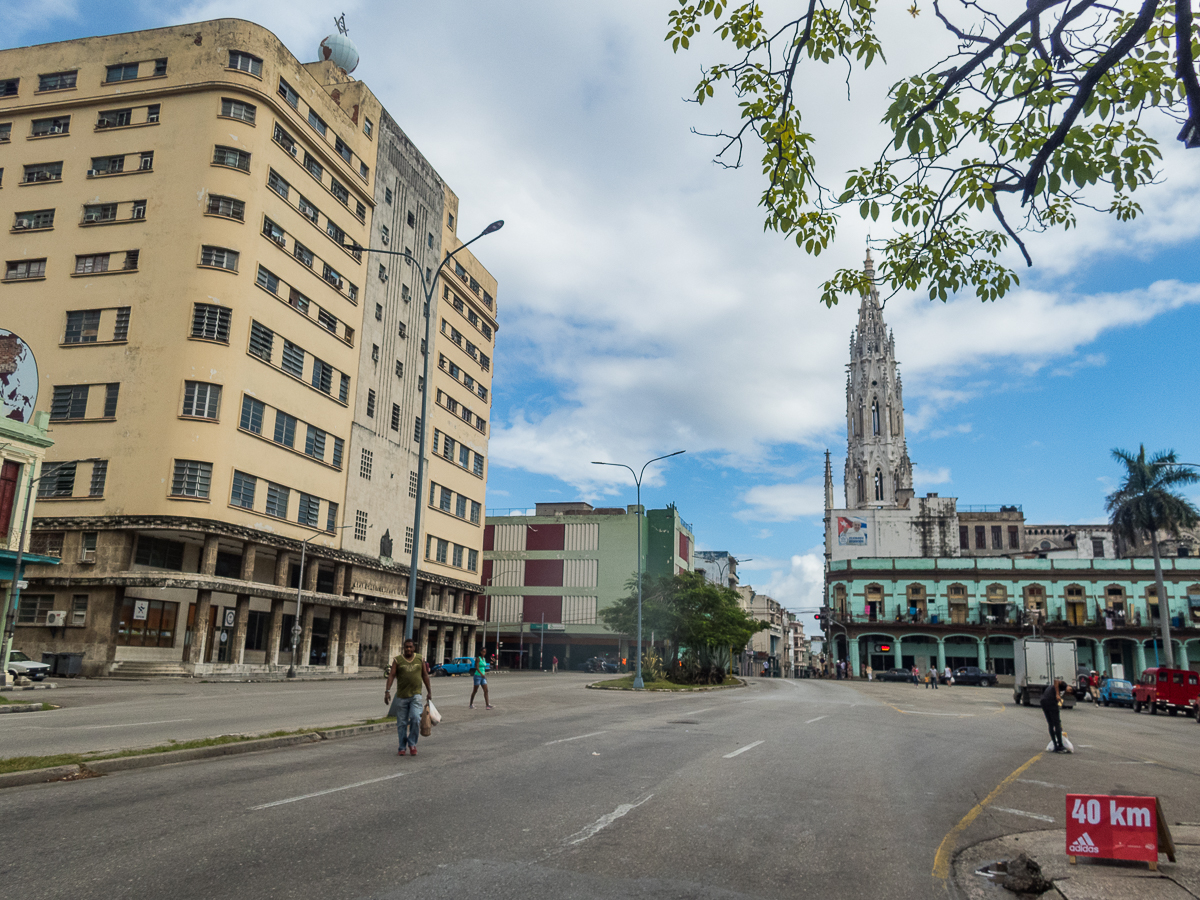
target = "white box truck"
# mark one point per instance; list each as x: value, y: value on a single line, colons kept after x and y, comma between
x: 1039, y: 661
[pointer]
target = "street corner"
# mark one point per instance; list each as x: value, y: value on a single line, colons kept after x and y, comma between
x: 981, y: 868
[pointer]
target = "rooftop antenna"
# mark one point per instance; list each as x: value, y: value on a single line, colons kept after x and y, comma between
x: 340, y: 22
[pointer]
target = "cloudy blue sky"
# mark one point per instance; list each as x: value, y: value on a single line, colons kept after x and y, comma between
x: 644, y: 310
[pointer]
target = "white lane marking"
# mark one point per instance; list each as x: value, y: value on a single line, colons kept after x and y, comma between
x: 1048, y: 784
x: 576, y: 738
x: 694, y: 712
x: 817, y: 719
x: 742, y: 750
x: 329, y: 791
x: 1021, y: 812
x: 131, y: 724
x: 605, y: 820
x: 916, y: 712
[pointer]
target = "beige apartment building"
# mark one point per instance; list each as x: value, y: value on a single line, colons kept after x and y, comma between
x: 227, y: 370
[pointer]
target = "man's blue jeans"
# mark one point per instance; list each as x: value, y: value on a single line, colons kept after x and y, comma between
x: 408, y: 719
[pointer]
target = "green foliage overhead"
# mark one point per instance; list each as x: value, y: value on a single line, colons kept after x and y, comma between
x: 1146, y: 501
x: 1038, y: 113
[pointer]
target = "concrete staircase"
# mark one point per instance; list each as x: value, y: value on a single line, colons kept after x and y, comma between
x: 135, y: 669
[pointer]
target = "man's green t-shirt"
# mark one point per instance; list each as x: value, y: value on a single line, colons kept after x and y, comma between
x: 408, y: 675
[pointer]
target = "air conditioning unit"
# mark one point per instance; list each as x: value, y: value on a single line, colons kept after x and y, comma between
x: 152, y: 117
x: 92, y: 173
x: 18, y: 226
x: 56, y: 618
x: 292, y: 150
x: 279, y: 239
x: 147, y: 164
x: 104, y: 123
x: 92, y: 217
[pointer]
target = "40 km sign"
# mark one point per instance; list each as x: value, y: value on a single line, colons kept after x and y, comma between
x: 1112, y: 827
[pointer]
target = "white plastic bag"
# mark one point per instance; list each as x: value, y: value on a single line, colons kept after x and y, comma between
x: 434, y: 715
x: 1066, y: 743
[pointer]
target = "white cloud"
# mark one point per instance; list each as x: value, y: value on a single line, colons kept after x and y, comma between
x: 782, y: 502
x: 926, y: 477
x: 798, y: 584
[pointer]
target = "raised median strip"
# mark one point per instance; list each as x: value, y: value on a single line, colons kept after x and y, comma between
x: 18, y: 771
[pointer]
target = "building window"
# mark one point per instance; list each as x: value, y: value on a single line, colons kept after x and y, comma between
x: 243, y: 490
x: 412, y: 484
x: 123, y: 72
x: 91, y: 264
x: 277, y: 500
x: 43, y: 172
x: 368, y: 127
x: 293, y: 359
x: 245, y: 62
x: 360, y: 525
x: 964, y: 537
x: 83, y: 326
x: 370, y: 404
x: 236, y: 109
x: 478, y: 465
x: 79, y: 605
x: 288, y: 93
x: 160, y: 67
x: 1098, y: 548
x: 458, y: 555
x: 25, y: 268
x: 997, y: 538
x: 46, y: 543
x: 302, y: 253
x: 201, y: 399
x: 1014, y: 537
x: 159, y: 553
x: 344, y: 388
x: 310, y: 510
x: 219, y: 257
x: 387, y: 195
x: 399, y: 369
x: 211, y: 322
x: 460, y: 508
x: 34, y: 608
x: 445, y: 500
x: 315, y: 169
x: 417, y: 429
x: 980, y: 537
x: 232, y: 157
x: 261, y: 340
x: 408, y: 541
x: 338, y: 445
x: 191, y: 478
x: 442, y: 548
x: 314, y: 443
x: 69, y: 402
x: 121, y: 326
x: 268, y: 280
x: 476, y: 509
x: 365, y: 174
x: 316, y: 121
x: 364, y: 465
x: 331, y: 518
x: 322, y: 376
x: 395, y: 417
x: 99, y: 212
x: 99, y: 474
x: 59, y: 483
x: 278, y: 184
x: 472, y: 560
x: 57, y: 81
x: 106, y: 165
x: 56, y: 125
x: 226, y: 206
x: 285, y: 429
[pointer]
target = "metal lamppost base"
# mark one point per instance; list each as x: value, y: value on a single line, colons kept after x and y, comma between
x: 291, y: 672
x: 638, y: 684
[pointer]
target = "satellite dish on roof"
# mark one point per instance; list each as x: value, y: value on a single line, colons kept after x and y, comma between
x: 338, y: 48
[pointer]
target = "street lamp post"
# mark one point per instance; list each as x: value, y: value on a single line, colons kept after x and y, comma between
x: 733, y: 561
x: 429, y: 285
x: 296, y: 629
x: 638, y: 684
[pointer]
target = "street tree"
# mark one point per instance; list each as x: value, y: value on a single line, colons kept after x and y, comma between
x: 687, y: 611
x: 1036, y: 115
x: 1146, y: 504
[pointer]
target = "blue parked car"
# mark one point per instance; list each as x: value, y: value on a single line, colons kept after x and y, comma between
x: 460, y: 665
x: 1116, y: 691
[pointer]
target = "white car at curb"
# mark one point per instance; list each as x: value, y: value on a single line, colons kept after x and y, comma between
x: 19, y: 664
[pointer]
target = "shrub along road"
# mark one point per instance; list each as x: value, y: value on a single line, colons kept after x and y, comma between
x: 779, y: 790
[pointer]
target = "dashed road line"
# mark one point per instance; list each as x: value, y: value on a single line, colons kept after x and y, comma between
x: 817, y: 719
x: 742, y: 750
x: 578, y: 737
x: 1021, y: 812
x: 344, y: 787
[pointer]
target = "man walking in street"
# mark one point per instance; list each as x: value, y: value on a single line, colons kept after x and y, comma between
x: 553, y: 665
x: 409, y: 672
x: 479, y: 673
x: 1050, y: 698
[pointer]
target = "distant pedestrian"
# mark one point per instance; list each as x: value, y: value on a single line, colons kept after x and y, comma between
x: 933, y: 677
x: 916, y: 674
x: 870, y: 673
x: 949, y: 676
x: 479, y: 673
x: 409, y: 672
x: 1050, y: 699
x: 553, y: 664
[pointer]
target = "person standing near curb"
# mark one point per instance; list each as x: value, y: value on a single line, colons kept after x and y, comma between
x: 554, y: 666
x: 480, y: 677
x: 409, y: 672
x: 1050, y: 700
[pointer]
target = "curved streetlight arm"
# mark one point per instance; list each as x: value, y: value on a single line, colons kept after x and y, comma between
x: 296, y: 628
x: 638, y: 683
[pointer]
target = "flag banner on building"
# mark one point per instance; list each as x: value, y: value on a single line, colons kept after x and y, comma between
x: 851, y: 531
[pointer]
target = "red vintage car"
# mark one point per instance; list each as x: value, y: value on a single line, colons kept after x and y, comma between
x: 1173, y: 690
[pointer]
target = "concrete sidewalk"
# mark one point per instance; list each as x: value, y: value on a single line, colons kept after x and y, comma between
x: 1089, y: 879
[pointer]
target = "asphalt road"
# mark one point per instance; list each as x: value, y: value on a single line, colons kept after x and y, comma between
x: 784, y: 789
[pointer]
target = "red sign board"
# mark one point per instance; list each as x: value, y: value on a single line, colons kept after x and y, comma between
x: 1110, y: 827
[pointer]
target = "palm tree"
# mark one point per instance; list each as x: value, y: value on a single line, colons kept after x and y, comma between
x: 1145, y: 504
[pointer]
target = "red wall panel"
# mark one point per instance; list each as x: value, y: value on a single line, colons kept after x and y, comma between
x: 536, y: 607
x: 543, y: 572
x: 489, y: 537
x: 545, y: 537
x: 487, y: 573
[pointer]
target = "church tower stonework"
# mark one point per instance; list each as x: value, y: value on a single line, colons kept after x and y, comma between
x: 878, y: 470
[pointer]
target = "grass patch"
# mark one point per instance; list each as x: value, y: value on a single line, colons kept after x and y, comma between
x: 626, y: 684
